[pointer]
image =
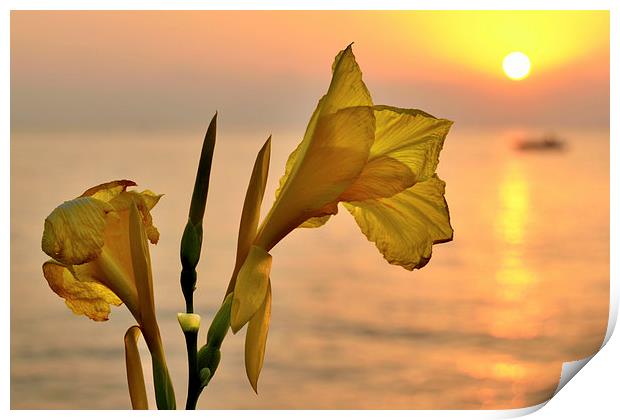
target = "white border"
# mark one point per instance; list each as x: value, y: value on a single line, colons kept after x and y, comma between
x: 593, y: 394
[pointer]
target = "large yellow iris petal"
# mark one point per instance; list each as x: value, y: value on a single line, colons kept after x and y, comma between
x: 346, y: 90
x: 411, y: 137
x: 84, y: 296
x: 332, y: 162
x: 381, y: 177
x: 313, y: 222
x: 405, y: 226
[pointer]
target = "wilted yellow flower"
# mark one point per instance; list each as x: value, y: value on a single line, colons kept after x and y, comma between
x: 98, y: 242
x: 379, y: 161
x: 88, y: 239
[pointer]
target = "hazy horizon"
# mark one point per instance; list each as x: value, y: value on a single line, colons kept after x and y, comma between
x: 150, y: 70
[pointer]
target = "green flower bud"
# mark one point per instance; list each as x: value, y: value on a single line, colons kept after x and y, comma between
x: 209, y: 357
x: 201, y: 185
x: 221, y: 323
x: 205, y: 377
x: 191, y: 244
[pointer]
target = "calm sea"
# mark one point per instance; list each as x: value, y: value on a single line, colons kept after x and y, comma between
x: 487, y: 323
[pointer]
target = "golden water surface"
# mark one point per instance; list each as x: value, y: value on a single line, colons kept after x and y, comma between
x: 487, y: 323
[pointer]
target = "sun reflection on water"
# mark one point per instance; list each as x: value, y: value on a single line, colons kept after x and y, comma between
x: 513, y: 278
x: 516, y: 312
x: 514, y: 205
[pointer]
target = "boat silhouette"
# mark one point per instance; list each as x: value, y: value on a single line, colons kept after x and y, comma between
x: 545, y: 143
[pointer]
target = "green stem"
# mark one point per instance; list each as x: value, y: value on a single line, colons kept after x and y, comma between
x: 188, y: 280
x: 164, y: 390
x: 188, y: 285
x: 193, y: 379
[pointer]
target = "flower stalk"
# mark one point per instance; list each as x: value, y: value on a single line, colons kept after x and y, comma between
x: 191, y: 245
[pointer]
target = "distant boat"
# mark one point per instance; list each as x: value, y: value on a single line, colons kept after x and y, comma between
x: 543, y: 144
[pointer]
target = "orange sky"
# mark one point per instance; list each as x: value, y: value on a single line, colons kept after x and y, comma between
x: 116, y: 70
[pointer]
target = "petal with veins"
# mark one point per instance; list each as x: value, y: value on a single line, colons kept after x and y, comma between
x: 410, y: 136
x: 74, y: 231
x: 404, y: 227
x: 84, y: 296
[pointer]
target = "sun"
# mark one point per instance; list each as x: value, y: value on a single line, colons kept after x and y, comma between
x: 516, y: 65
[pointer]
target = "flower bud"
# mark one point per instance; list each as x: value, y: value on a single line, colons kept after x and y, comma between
x: 209, y: 357
x: 189, y: 322
x: 221, y: 323
x: 205, y: 377
x: 191, y: 243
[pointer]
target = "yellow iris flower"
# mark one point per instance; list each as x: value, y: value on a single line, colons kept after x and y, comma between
x: 88, y: 239
x: 98, y: 242
x: 378, y: 161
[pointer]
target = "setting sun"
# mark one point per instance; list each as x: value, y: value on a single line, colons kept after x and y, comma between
x: 516, y: 65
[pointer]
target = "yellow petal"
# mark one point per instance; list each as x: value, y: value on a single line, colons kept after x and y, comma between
x: 313, y: 222
x: 382, y: 177
x: 346, y: 88
x: 109, y: 190
x: 251, y: 287
x: 290, y: 162
x: 145, y: 201
x: 110, y: 272
x: 332, y: 162
x: 74, y: 231
x: 141, y: 262
x: 84, y: 296
x: 118, y: 263
x: 404, y: 227
x: 149, y: 197
x: 251, y: 209
x: 410, y: 136
x: 256, y: 340
x: 135, y: 375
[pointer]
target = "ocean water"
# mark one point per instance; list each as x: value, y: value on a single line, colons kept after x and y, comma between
x: 487, y: 323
